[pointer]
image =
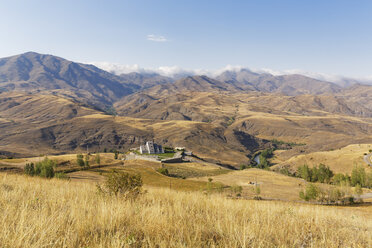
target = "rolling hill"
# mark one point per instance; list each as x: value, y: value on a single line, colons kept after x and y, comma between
x: 33, y: 72
x: 51, y: 106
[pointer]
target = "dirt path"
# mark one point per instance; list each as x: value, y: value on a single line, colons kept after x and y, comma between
x: 366, y: 195
x: 23, y: 163
x: 85, y: 176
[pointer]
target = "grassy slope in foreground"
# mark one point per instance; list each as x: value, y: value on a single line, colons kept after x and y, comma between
x: 56, y: 213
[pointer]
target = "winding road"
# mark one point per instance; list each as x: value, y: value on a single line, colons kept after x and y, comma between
x: 367, y: 159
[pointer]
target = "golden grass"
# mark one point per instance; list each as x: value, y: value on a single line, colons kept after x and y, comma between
x: 150, y: 176
x: 68, y: 160
x: 340, y: 161
x: 273, y: 185
x: 55, y: 213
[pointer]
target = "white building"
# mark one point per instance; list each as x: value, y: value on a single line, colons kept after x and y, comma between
x: 151, y: 148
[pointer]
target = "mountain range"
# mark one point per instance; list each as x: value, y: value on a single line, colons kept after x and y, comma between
x: 52, y: 105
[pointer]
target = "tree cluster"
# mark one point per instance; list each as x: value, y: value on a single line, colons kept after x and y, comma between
x: 44, y: 168
x: 320, y: 173
x: 330, y: 195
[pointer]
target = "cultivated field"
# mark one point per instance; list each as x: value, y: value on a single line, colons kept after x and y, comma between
x: 56, y: 213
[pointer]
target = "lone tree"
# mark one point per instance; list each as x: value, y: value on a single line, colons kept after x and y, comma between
x: 86, y: 162
x: 257, y: 192
x: 98, y: 159
x: 79, y: 160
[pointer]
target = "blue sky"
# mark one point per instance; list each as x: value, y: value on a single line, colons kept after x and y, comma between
x: 328, y: 36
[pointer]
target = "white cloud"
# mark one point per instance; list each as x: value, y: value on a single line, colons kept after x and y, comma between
x: 168, y: 71
x: 118, y: 68
x: 172, y: 71
x: 156, y: 38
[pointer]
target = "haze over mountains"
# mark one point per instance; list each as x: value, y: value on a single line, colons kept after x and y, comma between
x: 52, y: 105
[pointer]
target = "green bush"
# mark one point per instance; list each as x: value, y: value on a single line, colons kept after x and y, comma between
x: 163, y: 171
x: 341, y: 179
x: 311, y: 192
x: 236, y: 190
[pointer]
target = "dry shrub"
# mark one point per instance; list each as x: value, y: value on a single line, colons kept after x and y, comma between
x: 122, y: 184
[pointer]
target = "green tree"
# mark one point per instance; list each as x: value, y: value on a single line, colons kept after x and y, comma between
x: 98, y: 159
x: 369, y: 180
x: 80, y: 160
x: 45, y: 168
x: 304, y: 172
x: 323, y: 174
x: 30, y: 169
x: 86, y: 161
x: 311, y: 192
x: 358, y: 176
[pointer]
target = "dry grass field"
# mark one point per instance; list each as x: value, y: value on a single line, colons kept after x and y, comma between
x: 57, y: 213
x: 273, y: 185
x: 150, y: 176
x: 340, y: 160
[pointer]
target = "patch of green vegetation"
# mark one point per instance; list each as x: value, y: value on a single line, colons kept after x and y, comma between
x: 280, y: 142
x: 163, y: 171
x: 264, y: 156
x: 44, y: 168
x: 110, y: 111
x: 324, y: 174
x: 166, y: 155
x: 230, y: 121
x: 168, y: 149
x: 321, y: 173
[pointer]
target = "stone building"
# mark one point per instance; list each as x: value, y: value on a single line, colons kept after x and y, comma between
x: 151, y: 148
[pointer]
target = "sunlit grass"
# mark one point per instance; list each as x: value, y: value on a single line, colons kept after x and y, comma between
x: 55, y: 213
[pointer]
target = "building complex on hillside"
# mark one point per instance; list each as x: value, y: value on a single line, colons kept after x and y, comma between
x: 151, y: 148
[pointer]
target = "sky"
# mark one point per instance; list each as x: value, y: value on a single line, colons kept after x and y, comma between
x: 331, y: 37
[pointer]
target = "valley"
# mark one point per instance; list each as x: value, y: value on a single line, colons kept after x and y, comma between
x: 316, y: 137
